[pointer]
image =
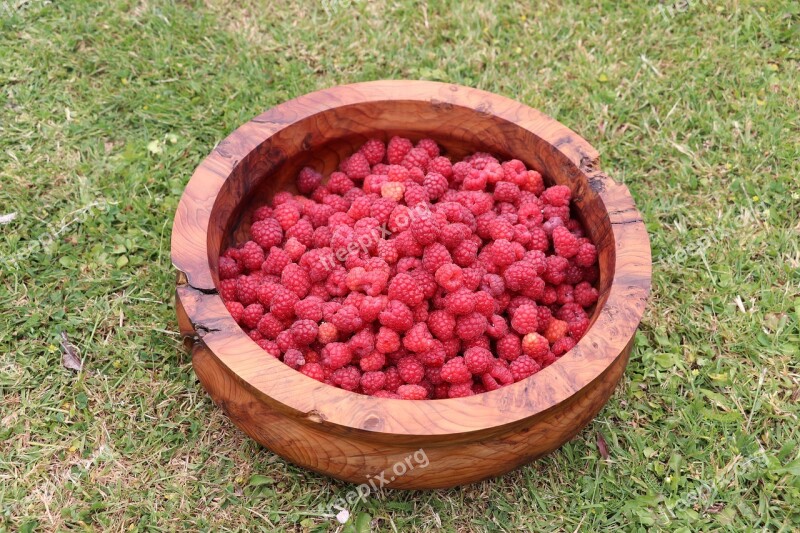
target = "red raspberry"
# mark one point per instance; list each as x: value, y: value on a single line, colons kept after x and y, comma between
x: 371, y: 306
x: 484, y: 303
x: 327, y: 333
x: 430, y: 147
x: 307, y: 180
x: 348, y: 378
x: 397, y: 149
x: 229, y: 268
x: 564, y: 292
x: 251, y: 256
x: 434, y: 256
x: 557, y: 195
x: 489, y: 383
x: 318, y: 214
x: 506, y: 192
x: 267, y: 233
x: 460, y: 390
x: 578, y: 328
x: 421, y: 312
x: 535, y: 346
x: 418, y: 338
x: 449, y: 276
x: 362, y: 343
x: 294, y: 248
x: 309, y: 308
x: 534, y: 183
x: 373, y: 150
x: 563, y: 345
x: 356, y: 167
x: 545, y: 316
x: 416, y: 194
x: 261, y: 213
x: 410, y: 370
x: 294, y: 359
x: 403, y: 288
x: 252, y: 314
x: 287, y: 215
x: 435, y: 184
x: 549, y: 296
x: 393, y: 379
x: 501, y: 253
x: 453, y: 234
x: 228, y: 290
x: 303, y: 331
x: 539, y: 240
x: 397, y: 316
x: 519, y: 275
x: 372, y: 362
x: 466, y: 253
x: 276, y: 261
x: 336, y: 355
x: 441, y: 165
x: 313, y: 370
x: 551, y: 211
x: 406, y: 245
x: 556, y: 269
x: 573, y: 275
x: 470, y: 326
x: 525, y: 319
x: 296, y: 280
x: 501, y: 372
x: 460, y: 302
x: 586, y: 255
x: 478, y: 360
x: 497, y: 328
x: 282, y: 304
x: 442, y: 324
x: 584, y: 294
x: 476, y: 180
x: 523, y: 367
x: 303, y: 231
x: 556, y: 329
x: 434, y: 357
x: 508, y: 347
x: 412, y: 392
x: 455, y: 371
x: 246, y: 290
x: 372, y: 382
x: 235, y: 309
x: 416, y: 157
x: 270, y: 327
x: 347, y: 319
x: 564, y: 242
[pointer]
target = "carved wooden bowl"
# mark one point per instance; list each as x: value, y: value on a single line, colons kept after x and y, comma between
x: 351, y: 436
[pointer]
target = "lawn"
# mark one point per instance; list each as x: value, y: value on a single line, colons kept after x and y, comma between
x: 107, y: 107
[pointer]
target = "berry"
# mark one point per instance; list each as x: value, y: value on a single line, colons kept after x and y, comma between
x: 372, y: 362
x: 410, y: 370
x: 373, y: 150
x: 267, y: 233
x: 235, y: 309
x: 555, y: 330
x: 586, y: 255
x: 535, y: 346
x: 336, y: 355
x: 296, y: 280
x: 251, y: 315
x: 455, y: 371
x: 523, y: 367
x: 460, y: 302
x: 282, y: 304
x: 403, y: 288
x: 313, y: 370
x: 525, y: 319
x: 397, y: 149
x: 470, y: 326
x: 564, y: 242
x: 478, y: 360
x: 348, y: 378
x: 508, y: 347
x: 307, y: 180
x: 397, y: 316
x: 287, y: 215
x: 294, y: 358
x: 347, y: 319
x: 501, y: 253
x: 357, y: 167
x: 584, y: 294
x: 460, y: 390
x: 434, y: 256
x: 418, y: 338
x: 276, y: 261
x: 229, y: 268
x: 449, y: 276
x: 327, y: 333
x: 563, y: 345
x: 270, y: 327
x: 372, y: 382
x: 303, y: 331
x: 246, y: 290
x: 441, y: 165
x: 412, y: 392
x: 557, y: 196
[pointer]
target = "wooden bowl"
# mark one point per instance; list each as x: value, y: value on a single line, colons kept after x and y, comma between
x: 351, y: 436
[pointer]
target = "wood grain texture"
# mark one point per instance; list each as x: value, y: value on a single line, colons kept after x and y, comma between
x: 350, y: 436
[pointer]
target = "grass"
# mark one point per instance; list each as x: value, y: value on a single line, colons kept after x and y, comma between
x: 107, y: 107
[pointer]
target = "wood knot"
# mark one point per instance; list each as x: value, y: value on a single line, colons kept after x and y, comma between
x: 315, y: 416
x: 373, y: 423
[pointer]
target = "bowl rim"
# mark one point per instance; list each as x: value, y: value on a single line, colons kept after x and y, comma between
x: 278, y: 385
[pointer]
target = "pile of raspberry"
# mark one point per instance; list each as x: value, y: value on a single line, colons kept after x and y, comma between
x: 407, y: 276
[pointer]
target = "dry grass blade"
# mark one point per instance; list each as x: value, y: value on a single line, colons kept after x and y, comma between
x: 70, y: 355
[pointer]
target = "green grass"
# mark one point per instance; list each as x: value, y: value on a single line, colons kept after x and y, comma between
x: 107, y: 107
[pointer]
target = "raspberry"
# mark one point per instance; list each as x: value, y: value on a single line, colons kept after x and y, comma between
x: 372, y: 382
x: 287, y: 215
x: 519, y: 275
x: 430, y: 147
x: 373, y: 150
x: 296, y: 280
x: 404, y: 289
x: 313, y: 370
x: 269, y: 346
x: 434, y: 357
x: 549, y: 296
x: 294, y: 359
x: 435, y: 184
x: 393, y: 380
x: 557, y: 195
x: 525, y: 319
x: 501, y: 253
x: 228, y: 290
x: 356, y: 167
x: 501, y: 372
x: 276, y: 261
x: 372, y: 362
x: 539, y: 240
x: 586, y: 255
x: 523, y: 367
x: 303, y: 231
x: 416, y: 157
x: 535, y: 346
x: 270, y: 327
x: 441, y: 165
x: 319, y: 214
x: 455, y: 371
x: 442, y: 324
x: 497, y: 328
x: 348, y: 378
x: 551, y: 211
x: 347, y: 319
x: 470, y: 326
x: 556, y: 329
x: 584, y: 294
x: 434, y: 256
x: 246, y: 290
x: 327, y: 333
x: 267, y: 233
x: 508, y: 347
x: 466, y: 253
x: 556, y: 269
x: 235, y: 309
x: 252, y: 314
x: 489, y: 383
x: 505, y: 191
x: 251, y: 256
x: 460, y: 302
x: 484, y: 303
x: 551, y: 224
x: 397, y: 316
x: 310, y: 309
x: 460, y: 390
x: 453, y: 234
x: 476, y: 180
x: 416, y: 194
x: 426, y: 229
x: 534, y: 183
x: 449, y: 276
x: 406, y: 245
x: 412, y: 392
x: 393, y: 191
x: 282, y: 304
x: 307, y: 180
x: 261, y: 213
x: 418, y: 338
x: 563, y: 345
x: 371, y: 306
x: 397, y: 149
x: 303, y: 331
x: 336, y: 355
x: 478, y: 360
x: 229, y: 268
x: 410, y: 370
x: 564, y: 242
